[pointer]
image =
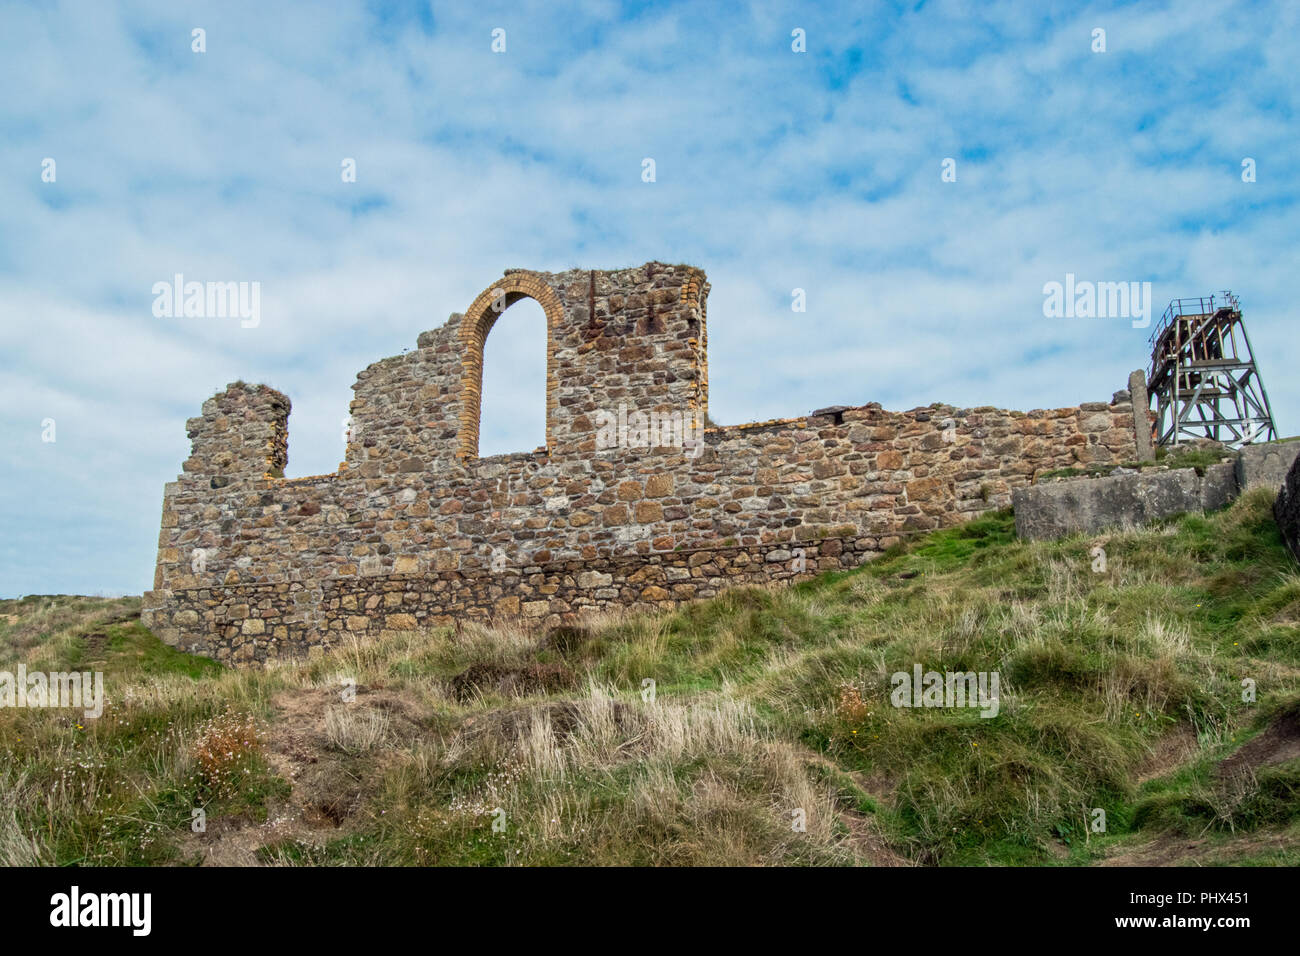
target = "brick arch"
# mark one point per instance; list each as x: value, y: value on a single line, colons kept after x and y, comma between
x: 474, y: 329
x: 691, y: 294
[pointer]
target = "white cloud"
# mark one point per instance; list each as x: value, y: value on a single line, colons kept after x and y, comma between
x: 776, y: 170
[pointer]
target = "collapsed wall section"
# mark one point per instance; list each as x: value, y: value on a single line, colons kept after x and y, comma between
x: 243, y: 432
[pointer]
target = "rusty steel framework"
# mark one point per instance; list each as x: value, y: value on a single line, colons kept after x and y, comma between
x: 1203, y: 376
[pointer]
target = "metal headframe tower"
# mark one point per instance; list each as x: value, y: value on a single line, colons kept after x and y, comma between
x: 1203, y: 376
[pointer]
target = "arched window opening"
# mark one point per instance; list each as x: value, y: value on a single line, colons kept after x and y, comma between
x: 513, y: 403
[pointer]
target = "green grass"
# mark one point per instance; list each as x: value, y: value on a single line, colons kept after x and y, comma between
x: 1120, y: 691
x: 1186, y: 456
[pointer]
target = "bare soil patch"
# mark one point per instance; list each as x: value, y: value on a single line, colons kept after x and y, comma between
x: 1175, y: 850
x: 328, y: 785
x: 1277, y: 743
x: 1170, y: 752
x: 512, y: 680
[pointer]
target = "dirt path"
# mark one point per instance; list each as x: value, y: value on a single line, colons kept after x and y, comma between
x: 1277, y: 743
x: 865, y: 836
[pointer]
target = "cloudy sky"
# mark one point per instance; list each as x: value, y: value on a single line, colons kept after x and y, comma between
x: 775, y: 170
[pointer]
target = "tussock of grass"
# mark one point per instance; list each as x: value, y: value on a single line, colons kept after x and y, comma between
x: 754, y: 728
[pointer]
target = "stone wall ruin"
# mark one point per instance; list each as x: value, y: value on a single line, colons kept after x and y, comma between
x: 415, y: 530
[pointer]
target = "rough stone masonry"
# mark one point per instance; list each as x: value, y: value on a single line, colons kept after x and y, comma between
x: 415, y: 530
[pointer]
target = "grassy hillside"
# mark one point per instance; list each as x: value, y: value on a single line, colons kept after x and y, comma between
x: 1121, y: 691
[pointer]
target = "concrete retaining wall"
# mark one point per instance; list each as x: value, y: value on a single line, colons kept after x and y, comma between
x: 1130, y: 498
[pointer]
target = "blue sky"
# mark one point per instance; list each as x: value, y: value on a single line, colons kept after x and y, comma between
x: 775, y: 170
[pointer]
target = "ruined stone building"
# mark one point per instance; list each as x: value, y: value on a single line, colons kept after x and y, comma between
x: 621, y: 509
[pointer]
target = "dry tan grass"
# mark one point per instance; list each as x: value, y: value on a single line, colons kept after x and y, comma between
x: 354, y: 730
x: 17, y: 846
